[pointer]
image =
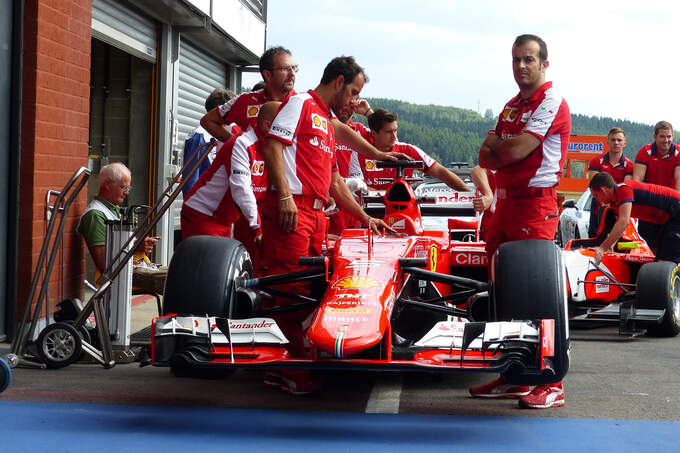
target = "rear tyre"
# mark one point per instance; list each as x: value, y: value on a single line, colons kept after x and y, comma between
x: 59, y: 345
x: 658, y: 287
x: 529, y: 282
x: 202, y: 276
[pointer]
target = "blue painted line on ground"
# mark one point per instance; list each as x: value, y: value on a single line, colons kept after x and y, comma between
x: 65, y: 427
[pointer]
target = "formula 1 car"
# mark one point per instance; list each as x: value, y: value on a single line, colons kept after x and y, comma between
x: 405, y: 301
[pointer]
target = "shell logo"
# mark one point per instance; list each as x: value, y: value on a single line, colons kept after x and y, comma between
x: 356, y: 282
x: 370, y: 165
x: 252, y: 111
x: 319, y: 122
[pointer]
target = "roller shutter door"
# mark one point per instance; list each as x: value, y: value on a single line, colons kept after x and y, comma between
x: 124, y: 28
x: 199, y: 75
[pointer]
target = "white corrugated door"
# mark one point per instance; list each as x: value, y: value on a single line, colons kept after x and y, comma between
x: 124, y: 28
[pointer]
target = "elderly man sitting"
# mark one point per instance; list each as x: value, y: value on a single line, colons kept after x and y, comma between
x: 114, y: 186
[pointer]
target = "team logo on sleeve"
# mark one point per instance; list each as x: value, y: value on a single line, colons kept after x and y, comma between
x: 371, y: 165
x: 252, y: 111
x: 257, y: 168
x: 509, y: 114
x: 526, y: 116
x: 319, y: 122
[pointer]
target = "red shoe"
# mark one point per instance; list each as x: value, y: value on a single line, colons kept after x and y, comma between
x: 272, y: 379
x: 499, y: 389
x: 544, y: 397
x: 299, y: 382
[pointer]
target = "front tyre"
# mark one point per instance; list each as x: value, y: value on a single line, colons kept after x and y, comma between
x: 529, y: 283
x: 658, y: 288
x: 202, y: 276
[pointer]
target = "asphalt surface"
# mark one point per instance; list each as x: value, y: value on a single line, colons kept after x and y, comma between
x: 609, y: 378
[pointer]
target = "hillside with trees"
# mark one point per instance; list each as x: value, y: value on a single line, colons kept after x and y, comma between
x: 451, y: 134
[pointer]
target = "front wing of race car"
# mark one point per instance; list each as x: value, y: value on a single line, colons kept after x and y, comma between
x: 450, y: 346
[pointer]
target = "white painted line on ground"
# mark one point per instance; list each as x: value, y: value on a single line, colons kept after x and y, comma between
x: 385, y: 395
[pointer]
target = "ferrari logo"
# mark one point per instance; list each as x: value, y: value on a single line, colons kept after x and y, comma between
x: 357, y: 282
x: 433, y: 258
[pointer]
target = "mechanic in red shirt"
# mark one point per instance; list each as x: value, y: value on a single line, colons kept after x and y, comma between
x: 300, y: 157
x: 527, y: 148
x: 614, y: 163
x: 657, y: 163
x: 384, y: 126
x: 655, y: 204
x: 340, y: 220
x: 232, y: 187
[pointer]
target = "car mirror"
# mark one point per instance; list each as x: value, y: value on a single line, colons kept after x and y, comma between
x: 569, y: 204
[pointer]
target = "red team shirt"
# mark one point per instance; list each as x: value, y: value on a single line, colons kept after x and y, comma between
x: 244, y: 108
x: 303, y: 125
x: 344, y: 154
x: 618, y: 170
x: 234, y: 182
x: 546, y: 116
x: 660, y: 169
x: 651, y: 203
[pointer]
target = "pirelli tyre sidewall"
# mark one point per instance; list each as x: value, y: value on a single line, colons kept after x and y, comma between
x: 529, y: 282
x: 202, y: 276
x: 658, y: 288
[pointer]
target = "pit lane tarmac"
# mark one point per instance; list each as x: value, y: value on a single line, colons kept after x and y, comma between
x: 617, y: 393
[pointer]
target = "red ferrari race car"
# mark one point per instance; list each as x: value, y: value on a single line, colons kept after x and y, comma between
x: 405, y: 301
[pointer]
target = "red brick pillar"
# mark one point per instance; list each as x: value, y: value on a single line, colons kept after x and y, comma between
x: 54, y: 131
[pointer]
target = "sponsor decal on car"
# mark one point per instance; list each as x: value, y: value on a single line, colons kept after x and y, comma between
x: 349, y: 310
x: 365, y: 264
x: 356, y: 282
x: 470, y: 258
x: 601, y: 287
x: 433, y: 258
x: 247, y: 324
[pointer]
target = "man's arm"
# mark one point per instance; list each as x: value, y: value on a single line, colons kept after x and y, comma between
x: 98, y: 254
x: 616, y: 232
x: 496, y: 153
x: 639, y: 172
x: 273, y: 161
x: 676, y: 177
x: 344, y: 198
x: 481, y: 180
x: 345, y: 135
x: 448, y: 177
x: 212, y: 122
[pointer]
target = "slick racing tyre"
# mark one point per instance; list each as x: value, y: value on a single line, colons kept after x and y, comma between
x: 59, y: 345
x: 529, y: 282
x: 658, y: 287
x: 202, y: 276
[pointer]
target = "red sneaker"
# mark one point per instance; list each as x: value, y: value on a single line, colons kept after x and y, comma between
x: 272, y: 379
x: 544, y: 397
x: 499, y: 389
x: 299, y: 382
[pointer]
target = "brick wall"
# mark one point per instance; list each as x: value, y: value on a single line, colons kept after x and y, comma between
x: 55, y: 128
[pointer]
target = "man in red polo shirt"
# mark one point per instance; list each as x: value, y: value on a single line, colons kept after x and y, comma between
x: 300, y: 157
x: 278, y: 70
x: 384, y: 126
x: 232, y: 187
x: 657, y: 163
x: 614, y: 163
x: 527, y: 148
x: 658, y: 205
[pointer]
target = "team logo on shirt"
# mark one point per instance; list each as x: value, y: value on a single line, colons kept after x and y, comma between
x: 314, y: 141
x: 252, y: 111
x: 526, y: 116
x: 371, y: 165
x: 319, y: 122
x: 509, y: 114
x: 258, y: 168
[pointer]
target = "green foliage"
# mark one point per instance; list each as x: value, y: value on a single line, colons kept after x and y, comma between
x: 451, y: 134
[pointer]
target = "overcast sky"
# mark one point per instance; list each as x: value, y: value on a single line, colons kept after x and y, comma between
x: 607, y: 58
